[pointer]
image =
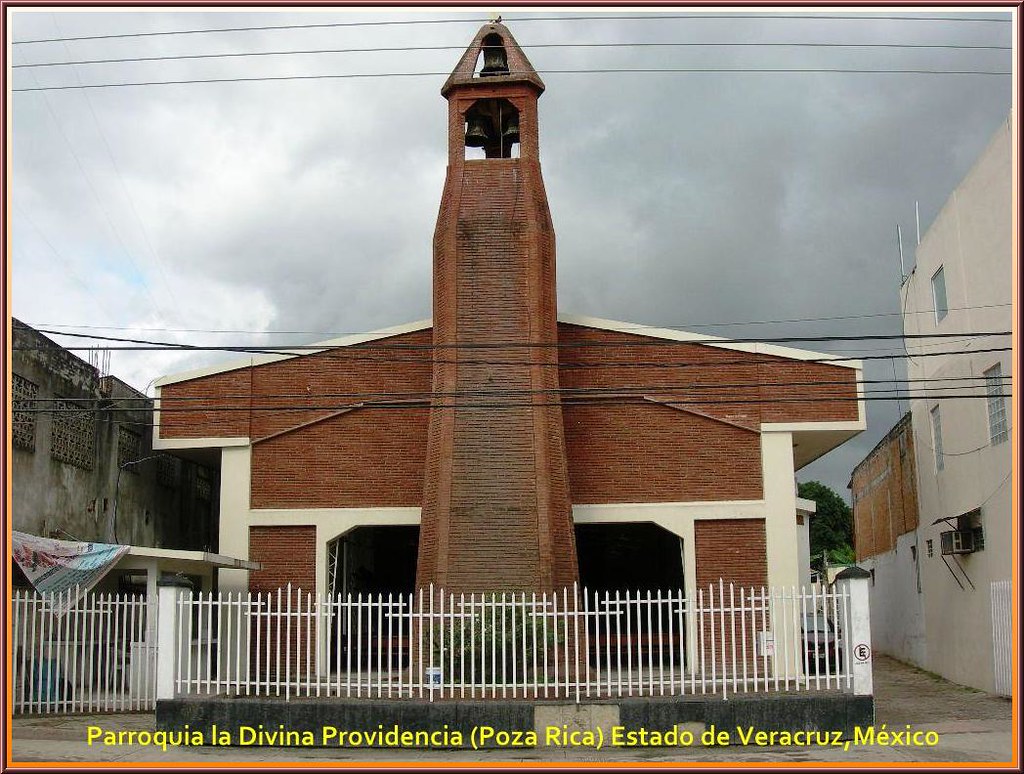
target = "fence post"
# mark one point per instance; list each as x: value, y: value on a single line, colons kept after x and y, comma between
x: 858, y: 640
x: 169, y: 591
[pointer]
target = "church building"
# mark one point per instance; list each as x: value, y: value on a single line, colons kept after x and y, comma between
x: 505, y: 445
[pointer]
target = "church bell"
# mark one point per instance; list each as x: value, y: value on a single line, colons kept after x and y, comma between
x: 478, y: 132
x: 510, y: 133
x: 495, y: 59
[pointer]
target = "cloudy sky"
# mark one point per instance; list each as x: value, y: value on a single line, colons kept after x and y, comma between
x: 260, y: 211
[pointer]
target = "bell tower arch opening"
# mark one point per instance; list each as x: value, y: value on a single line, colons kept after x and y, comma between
x: 492, y: 126
x: 493, y: 58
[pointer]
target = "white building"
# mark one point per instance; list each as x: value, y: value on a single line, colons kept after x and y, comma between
x: 962, y: 283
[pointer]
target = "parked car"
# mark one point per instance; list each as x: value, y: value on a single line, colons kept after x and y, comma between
x: 823, y: 646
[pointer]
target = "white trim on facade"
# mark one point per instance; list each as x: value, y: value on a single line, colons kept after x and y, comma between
x: 774, y: 350
x: 254, y: 360
x: 758, y: 348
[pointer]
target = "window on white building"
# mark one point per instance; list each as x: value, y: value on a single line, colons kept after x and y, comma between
x: 998, y: 430
x: 939, y: 295
x: 937, y: 438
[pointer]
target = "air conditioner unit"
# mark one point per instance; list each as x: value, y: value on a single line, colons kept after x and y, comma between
x: 957, y: 541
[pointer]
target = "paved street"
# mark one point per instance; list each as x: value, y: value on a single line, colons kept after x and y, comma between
x: 972, y: 726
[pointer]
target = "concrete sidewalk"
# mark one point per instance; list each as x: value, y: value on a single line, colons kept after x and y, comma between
x: 972, y: 726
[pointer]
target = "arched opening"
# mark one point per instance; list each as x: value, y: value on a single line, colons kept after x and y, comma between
x: 492, y: 130
x: 365, y: 563
x: 493, y: 58
x: 638, y: 561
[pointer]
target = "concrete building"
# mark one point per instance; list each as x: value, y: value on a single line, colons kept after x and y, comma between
x: 504, y: 445
x: 962, y: 538
x: 75, y: 436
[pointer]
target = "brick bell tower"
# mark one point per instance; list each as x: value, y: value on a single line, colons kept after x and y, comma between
x: 496, y: 509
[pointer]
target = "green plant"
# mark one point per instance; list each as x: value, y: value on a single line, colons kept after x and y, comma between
x: 490, y: 641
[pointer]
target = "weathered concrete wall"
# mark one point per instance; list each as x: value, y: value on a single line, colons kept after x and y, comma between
x: 897, y: 610
x: 64, y: 485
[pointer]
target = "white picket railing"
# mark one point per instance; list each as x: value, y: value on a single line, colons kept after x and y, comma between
x: 567, y: 645
x: 82, y: 653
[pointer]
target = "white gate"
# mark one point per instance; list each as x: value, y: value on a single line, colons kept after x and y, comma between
x: 1001, y: 620
x: 96, y: 654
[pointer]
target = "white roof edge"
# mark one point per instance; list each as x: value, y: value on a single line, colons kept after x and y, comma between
x: 179, y: 554
x: 803, y: 505
x: 672, y: 334
x: 700, y: 338
x: 343, y: 341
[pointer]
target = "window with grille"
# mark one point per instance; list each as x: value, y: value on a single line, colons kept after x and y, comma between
x: 939, y: 295
x: 930, y: 547
x: 73, y: 439
x: 23, y: 417
x: 937, y: 438
x: 167, y: 471
x: 129, y: 448
x: 998, y: 429
x: 203, y: 485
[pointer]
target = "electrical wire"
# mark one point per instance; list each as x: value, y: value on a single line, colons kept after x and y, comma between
x: 525, y: 19
x: 339, y: 353
x: 581, y: 71
x: 724, y: 324
x: 408, y: 49
x: 547, y: 345
x: 637, y: 389
x: 571, y: 401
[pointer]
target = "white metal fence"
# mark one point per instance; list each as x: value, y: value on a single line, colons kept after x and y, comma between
x: 83, y: 653
x: 569, y: 645
x: 1001, y: 637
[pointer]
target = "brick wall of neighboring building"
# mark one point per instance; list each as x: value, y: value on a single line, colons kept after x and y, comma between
x: 287, y: 555
x: 884, y: 492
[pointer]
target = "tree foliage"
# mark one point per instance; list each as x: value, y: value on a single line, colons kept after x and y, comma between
x: 831, y: 525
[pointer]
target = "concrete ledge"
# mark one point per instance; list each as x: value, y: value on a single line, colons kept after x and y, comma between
x: 451, y: 723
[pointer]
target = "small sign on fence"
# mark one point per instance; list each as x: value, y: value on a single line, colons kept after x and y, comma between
x: 766, y: 644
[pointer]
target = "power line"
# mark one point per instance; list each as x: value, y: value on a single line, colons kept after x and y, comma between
x: 406, y: 49
x: 638, y: 400
x: 583, y: 71
x: 724, y: 324
x: 348, y: 355
x: 571, y: 391
x: 525, y: 19
x: 538, y: 344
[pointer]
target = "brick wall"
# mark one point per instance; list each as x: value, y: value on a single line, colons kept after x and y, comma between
x: 644, y: 452
x: 288, y: 555
x: 733, y: 549
x: 359, y: 459
x: 884, y: 493
x: 297, y: 390
x: 496, y: 493
x: 651, y: 453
